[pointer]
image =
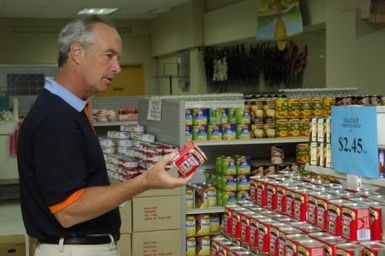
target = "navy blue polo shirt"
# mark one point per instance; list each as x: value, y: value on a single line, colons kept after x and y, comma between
x: 58, y: 154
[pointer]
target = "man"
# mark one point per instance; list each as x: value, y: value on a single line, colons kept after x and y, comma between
x: 66, y: 199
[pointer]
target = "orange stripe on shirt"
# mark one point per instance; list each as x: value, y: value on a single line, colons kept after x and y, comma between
x: 72, y: 198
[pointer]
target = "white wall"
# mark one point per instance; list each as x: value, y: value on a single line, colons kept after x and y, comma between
x: 33, y: 41
x: 355, y: 49
x: 179, y: 29
x: 230, y: 23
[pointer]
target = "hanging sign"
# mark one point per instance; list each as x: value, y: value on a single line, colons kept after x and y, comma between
x: 354, y: 140
x: 154, y: 109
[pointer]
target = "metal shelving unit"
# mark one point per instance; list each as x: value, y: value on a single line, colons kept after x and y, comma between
x: 252, y: 141
x: 171, y: 129
x: 117, y: 123
x: 214, y: 209
x: 380, y: 182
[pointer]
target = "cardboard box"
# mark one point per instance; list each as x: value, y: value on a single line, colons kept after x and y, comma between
x: 12, y: 245
x: 160, y: 192
x: 126, y: 216
x: 32, y: 246
x: 124, y: 245
x: 156, y: 213
x: 157, y: 243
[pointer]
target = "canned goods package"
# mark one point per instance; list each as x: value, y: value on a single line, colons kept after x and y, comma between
x: 203, y: 224
x: 188, y: 158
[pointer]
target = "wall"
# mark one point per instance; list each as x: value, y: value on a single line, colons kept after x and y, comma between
x: 181, y: 28
x: 355, y: 49
x: 230, y: 23
x: 227, y: 22
x: 33, y: 41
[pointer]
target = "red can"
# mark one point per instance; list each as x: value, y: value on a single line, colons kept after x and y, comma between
x: 271, y: 201
x: 305, y: 227
x: 310, y: 247
x: 264, y: 226
x: 292, y: 241
x: 217, y: 243
x: 349, y: 249
x: 334, y: 186
x: 311, y: 206
x: 227, y: 220
x: 253, y: 188
x: 334, y: 216
x: 253, y: 240
x: 366, y: 193
x: 261, y: 191
x: 290, y: 192
x: 355, y: 222
x: 321, y: 209
x: 236, y: 227
x: 247, y: 204
x: 246, y: 220
x: 377, y: 220
x: 330, y: 243
x: 373, y: 249
x: 319, y: 235
x: 281, y: 196
x: 283, y: 233
x: 188, y: 158
x: 236, y: 251
x: 379, y: 198
x: 300, y: 204
x: 274, y: 237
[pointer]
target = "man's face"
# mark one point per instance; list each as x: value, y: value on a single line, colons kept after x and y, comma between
x: 101, y: 59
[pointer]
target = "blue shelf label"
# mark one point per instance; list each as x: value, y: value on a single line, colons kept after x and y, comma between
x: 354, y: 140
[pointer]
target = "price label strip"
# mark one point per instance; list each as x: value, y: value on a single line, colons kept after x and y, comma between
x: 354, y: 140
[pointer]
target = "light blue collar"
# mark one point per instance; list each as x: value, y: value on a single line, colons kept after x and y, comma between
x: 55, y: 88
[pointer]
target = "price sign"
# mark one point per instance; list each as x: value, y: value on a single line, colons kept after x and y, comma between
x: 154, y: 109
x: 354, y: 140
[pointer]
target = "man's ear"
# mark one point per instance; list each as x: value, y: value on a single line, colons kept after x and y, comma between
x: 76, y: 52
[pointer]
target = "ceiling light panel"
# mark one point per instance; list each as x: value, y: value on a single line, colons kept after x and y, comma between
x: 97, y: 11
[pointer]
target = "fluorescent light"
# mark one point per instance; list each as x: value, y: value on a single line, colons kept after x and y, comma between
x: 96, y: 11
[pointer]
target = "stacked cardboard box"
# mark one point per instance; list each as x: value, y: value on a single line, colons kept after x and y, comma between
x: 151, y: 224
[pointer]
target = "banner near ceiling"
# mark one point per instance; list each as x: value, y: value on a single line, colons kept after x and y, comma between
x: 279, y: 20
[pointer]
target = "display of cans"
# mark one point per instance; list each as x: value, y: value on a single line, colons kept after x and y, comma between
x: 355, y: 222
x: 274, y: 237
x: 373, y: 248
x: 203, y: 245
x: 310, y: 247
x: 292, y: 242
x: 281, y: 108
x: 214, y: 132
x: 200, y: 116
x: 188, y: 158
x: 188, y: 133
x: 264, y: 225
x: 215, y: 223
x: 191, y: 249
x: 190, y: 225
x: 349, y: 249
x: 334, y: 216
x: 203, y: 224
x: 322, y: 210
x: 283, y: 233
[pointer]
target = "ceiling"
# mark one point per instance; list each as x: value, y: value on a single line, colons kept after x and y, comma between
x: 47, y: 9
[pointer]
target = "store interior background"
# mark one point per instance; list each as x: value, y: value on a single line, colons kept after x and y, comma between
x: 345, y: 50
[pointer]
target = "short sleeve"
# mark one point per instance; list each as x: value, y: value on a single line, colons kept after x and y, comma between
x: 59, y: 159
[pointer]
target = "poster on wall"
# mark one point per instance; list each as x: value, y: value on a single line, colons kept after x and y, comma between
x: 279, y: 20
x: 377, y: 11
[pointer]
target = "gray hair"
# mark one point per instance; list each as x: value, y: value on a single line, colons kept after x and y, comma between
x: 81, y: 31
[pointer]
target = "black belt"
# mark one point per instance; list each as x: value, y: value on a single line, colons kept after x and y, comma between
x: 83, y: 239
